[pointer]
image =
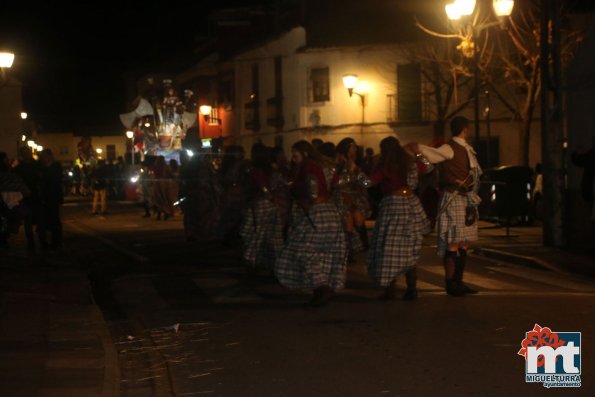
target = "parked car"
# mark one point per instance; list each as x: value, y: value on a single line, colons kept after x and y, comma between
x: 507, y: 195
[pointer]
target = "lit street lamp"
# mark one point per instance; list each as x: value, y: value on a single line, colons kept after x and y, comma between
x: 130, y: 135
x: 460, y: 9
x: 350, y: 81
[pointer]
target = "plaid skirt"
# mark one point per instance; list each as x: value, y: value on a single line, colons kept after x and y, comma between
x: 451, y: 222
x: 316, y: 251
x: 396, y: 238
x: 262, y: 234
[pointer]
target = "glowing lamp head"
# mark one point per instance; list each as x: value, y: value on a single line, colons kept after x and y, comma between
x: 189, y: 152
x: 39, y: 148
x: 31, y: 144
x: 24, y: 115
x: 147, y: 124
x: 129, y: 134
x: 350, y: 81
x: 453, y: 11
x: 503, y: 8
x: 6, y: 59
x: 205, y: 110
x: 466, y: 7
x: 99, y: 150
x: 23, y: 138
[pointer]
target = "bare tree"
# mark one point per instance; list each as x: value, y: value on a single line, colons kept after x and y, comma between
x: 508, y: 59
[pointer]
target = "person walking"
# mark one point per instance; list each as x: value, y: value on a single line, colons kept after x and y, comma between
x: 162, y: 197
x: 29, y: 170
x: 99, y: 186
x: 52, y: 197
x: 315, y: 254
x: 457, y: 215
x: 13, y: 191
x: 401, y: 223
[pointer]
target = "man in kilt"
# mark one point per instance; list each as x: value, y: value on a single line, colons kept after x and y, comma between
x: 457, y: 216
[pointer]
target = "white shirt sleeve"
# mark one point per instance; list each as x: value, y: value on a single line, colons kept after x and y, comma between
x: 437, y: 155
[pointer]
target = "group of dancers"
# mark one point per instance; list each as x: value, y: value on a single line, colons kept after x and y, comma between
x: 303, y: 223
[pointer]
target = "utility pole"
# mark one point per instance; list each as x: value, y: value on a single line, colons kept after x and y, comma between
x: 552, y: 136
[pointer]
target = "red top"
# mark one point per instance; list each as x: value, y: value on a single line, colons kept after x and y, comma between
x: 392, y: 181
x: 310, y: 168
x: 261, y: 179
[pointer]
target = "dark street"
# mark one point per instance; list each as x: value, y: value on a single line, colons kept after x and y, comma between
x: 187, y: 319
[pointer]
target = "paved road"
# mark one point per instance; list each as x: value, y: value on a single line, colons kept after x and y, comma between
x: 189, y: 321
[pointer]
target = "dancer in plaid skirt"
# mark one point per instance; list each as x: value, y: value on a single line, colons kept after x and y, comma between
x: 351, y: 197
x: 401, y: 222
x: 262, y: 227
x: 457, y: 216
x: 315, y: 254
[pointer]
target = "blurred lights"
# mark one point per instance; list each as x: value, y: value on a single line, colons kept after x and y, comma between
x: 189, y: 152
x: 31, y: 144
x: 24, y: 115
x: 129, y: 134
x: 134, y: 179
x: 23, y: 138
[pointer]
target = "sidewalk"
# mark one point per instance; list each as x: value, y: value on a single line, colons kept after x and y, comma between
x: 53, y: 338
x: 524, y: 246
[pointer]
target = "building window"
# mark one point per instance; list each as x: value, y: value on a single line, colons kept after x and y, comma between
x: 409, y: 96
x: 214, y: 116
x: 226, y: 93
x: 391, y: 108
x: 319, y: 85
x: 255, y: 83
x: 278, y: 77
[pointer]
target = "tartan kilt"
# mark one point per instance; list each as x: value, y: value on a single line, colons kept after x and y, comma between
x: 396, y: 238
x: 262, y: 234
x: 451, y: 222
x: 314, y: 255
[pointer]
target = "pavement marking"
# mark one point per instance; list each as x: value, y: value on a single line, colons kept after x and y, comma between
x: 480, y: 281
x: 554, y: 280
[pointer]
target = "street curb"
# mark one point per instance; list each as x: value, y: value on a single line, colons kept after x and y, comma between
x: 111, y: 375
x: 518, y: 259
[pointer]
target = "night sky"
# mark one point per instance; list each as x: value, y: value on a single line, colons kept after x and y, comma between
x: 73, y: 58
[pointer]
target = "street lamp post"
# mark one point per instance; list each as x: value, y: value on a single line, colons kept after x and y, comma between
x: 463, y: 9
x: 130, y: 135
x: 350, y: 82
